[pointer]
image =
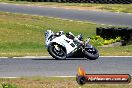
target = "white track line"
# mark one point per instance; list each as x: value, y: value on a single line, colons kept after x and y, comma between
x: 34, y: 57
x: 42, y: 76
x: 115, y: 56
x: 3, y: 57
x: 61, y: 76
x: 51, y: 57
x: 9, y: 77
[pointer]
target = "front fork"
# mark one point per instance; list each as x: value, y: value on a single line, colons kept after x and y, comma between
x: 86, y: 44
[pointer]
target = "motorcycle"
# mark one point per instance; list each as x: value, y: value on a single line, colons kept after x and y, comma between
x: 61, y: 46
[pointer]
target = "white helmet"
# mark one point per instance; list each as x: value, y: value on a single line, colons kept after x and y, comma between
x: 48, y: 33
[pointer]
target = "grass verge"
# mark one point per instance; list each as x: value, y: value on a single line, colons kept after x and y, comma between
x: 23, y: 35
x: 126, y: 8
x: 49, y: 82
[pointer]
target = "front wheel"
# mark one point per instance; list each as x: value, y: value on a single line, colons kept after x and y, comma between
x: 57, y: 51
x: 91, y: 53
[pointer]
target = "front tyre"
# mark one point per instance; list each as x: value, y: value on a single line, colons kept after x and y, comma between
x: 57, y: 51
x: 91, y: 53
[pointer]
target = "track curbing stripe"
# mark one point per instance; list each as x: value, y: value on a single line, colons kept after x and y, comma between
x: 51, y: 57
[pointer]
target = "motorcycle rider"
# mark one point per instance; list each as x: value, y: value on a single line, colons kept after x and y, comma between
x: 62, y: 46
x: 71, y: 36
x: 75, y: 38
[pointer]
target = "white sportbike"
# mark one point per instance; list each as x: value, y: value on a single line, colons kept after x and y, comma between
x: 62, y: 46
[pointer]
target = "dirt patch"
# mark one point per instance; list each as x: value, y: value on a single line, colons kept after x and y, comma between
x: 94, y: 8
x: 81, y: 8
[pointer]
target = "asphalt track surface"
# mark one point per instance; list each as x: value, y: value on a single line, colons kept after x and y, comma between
x: 18, y: 67
x: 101, y: 17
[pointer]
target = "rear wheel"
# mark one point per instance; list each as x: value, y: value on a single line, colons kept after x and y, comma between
x: 91, y: 53
x: 57, y: 51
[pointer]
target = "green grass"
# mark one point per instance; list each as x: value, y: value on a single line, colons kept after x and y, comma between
x: 23, y: 35
x: 49, y: 82
x: 116, y: 51
x: 126, y: 8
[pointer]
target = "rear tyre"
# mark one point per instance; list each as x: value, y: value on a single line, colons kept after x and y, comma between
x: 57, y: 51
x: 91, y: 53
